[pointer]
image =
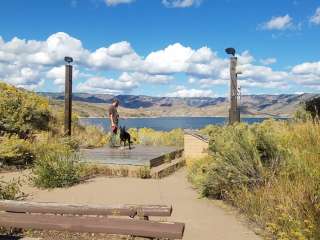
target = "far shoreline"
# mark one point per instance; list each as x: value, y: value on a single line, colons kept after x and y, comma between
x: 150, y: 117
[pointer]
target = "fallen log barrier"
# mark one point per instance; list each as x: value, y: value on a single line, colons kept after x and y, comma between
x: 83, y: 209
x: 90, y: 218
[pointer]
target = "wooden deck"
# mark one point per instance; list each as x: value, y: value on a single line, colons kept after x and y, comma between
x: 138, y: 156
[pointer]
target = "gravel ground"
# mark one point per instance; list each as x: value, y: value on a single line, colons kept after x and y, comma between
x: 54, y: 235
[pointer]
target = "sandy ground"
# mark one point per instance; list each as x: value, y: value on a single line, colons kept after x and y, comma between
x: 205, y: 219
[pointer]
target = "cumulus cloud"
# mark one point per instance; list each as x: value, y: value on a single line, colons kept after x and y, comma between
x: 29, y: 63
x: 117, y: 2
x: 181, y: 3
x: 268, y: 61
x: 172, y: 59
x: 99, y: 84
x: 278, y: 23
x: 49, y: 52
x: 188, y: 93
x: 177, y: 58
x: 57, y: 74
x: 146, y: 78
x: 119, y: 56
x: 307, y: 74
x: 315, y: 19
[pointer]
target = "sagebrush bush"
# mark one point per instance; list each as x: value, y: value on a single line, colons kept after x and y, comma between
x: 56, y: 166
x: 10, y: 190
x: 15, y: 151
x: 243, y: 155
x: 22, y: 112
x: 90, y: 136
x: 144, y: 172
x: 82, y: 136
x: 270, y: 171
x: 148, y: 136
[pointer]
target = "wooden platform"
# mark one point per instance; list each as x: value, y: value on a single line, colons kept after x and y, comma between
x: 150, y: 156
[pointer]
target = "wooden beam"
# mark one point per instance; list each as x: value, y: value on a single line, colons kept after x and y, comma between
x: 68, y: 100
x: 234, y: 113
x: 84, y: 209
x: 120, y: 226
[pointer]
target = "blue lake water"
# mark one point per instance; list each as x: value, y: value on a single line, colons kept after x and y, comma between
x: 165, y: 123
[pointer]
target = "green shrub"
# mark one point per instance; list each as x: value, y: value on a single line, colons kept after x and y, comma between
x: 270, y: 171
x: 243, y: 155
x: 301, y: 114
x: 15, y: 151
x: 22, y: 112
x: 10, y: 190
x: 56, y: 168
x: 148, y: 136
x: 144, y: 172
x: 90, y: 136
x: 82, y: 136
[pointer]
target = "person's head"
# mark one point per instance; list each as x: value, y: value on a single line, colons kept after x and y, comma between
x: 115, y: 102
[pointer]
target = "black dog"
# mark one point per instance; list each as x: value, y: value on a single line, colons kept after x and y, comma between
x: 125, y: 137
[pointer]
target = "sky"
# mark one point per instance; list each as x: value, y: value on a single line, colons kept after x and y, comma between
x: 161, y: 47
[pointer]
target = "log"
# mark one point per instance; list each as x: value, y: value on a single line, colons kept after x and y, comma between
x: 84, y: 209
x: 133, y: 227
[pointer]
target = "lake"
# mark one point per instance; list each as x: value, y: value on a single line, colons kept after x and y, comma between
x: 165, y: 123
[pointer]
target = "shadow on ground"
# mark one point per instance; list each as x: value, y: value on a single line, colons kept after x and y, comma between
x: 6, y: 237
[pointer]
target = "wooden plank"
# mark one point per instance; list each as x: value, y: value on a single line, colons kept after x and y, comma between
x: 83, y: 209
x: 120, y: 226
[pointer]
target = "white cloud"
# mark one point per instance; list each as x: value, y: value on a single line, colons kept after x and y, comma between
x: 307, y: 74
x: 24, y: 77
x: 268, y: 61
x: 181, y: 3
x: 119, y: 56
x: 49, y: 52
x: 245, y: 58
x: 187, y: 93
x: 172, y: 59
x: 207, y: 82
x: 30, y: 63
x: 57, y: 74
x: 106, y: 85
x: 315, y: 19
x: 117, y: 2
x: 177, y: 58
x: 146, y: 78
x: 278, y: 23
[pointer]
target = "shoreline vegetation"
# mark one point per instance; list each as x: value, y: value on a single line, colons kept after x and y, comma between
x: 270, y: 171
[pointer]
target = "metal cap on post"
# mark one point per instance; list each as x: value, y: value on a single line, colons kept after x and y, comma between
x: 68, y: 96
x: 234, y: 111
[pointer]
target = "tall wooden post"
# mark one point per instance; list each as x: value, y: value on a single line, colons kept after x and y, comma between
x: 68, y: 100
x: 234, y: 111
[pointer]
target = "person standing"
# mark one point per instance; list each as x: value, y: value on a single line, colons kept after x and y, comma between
x: 114, y: 121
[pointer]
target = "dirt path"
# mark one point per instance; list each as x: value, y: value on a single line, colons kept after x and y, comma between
x: 205, y: 219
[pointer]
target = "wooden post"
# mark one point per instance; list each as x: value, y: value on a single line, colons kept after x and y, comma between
x: 234, y: 112
x: 68, y: 100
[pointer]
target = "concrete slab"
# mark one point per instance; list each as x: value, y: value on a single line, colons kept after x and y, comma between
x: 138, y: 156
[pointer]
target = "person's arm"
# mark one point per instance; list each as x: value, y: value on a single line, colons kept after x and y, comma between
x: 111, y: 120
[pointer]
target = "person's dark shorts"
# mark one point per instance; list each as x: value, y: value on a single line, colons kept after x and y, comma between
x: 114, y: 129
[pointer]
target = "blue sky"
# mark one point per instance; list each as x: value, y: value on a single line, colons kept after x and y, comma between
x: 161, y: 47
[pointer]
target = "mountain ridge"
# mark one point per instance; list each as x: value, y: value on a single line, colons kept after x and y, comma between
x: 283, y: 105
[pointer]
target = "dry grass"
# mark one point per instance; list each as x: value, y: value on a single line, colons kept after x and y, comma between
x: 270, y: 171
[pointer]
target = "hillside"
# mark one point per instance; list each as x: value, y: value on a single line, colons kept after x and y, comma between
x: 94, y: 105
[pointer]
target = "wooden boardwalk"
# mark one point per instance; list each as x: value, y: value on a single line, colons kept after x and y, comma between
x: 138, y: 156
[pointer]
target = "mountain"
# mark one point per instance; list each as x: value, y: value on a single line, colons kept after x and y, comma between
x: 95, y: 105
